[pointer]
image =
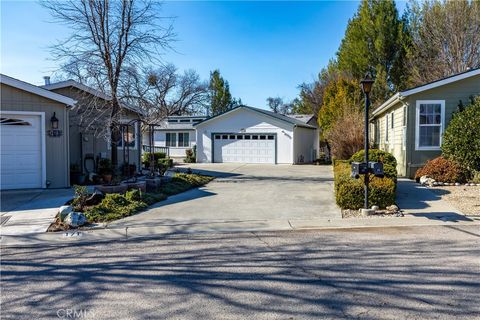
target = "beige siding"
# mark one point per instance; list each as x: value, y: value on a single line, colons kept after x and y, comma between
x: 89, y: 142
x: 394, y: 145
x: 57, y: 170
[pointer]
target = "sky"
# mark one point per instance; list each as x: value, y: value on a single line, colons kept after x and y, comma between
x: 263, y: 49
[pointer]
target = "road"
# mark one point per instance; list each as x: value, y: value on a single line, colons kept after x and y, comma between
x: 376, y: 273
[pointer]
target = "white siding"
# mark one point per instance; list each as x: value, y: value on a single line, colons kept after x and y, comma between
x: 244, y: 120
x: 304, y: 145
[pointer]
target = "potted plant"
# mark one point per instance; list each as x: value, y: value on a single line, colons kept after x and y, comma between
x: 105, y: 170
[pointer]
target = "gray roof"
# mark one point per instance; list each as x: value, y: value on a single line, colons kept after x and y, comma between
x: 305, y: 118
x: 281, y: 117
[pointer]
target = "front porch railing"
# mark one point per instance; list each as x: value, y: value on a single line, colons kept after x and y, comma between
x: 166, y: 150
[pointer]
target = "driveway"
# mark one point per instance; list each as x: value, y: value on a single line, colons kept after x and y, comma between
x: 270, y: 195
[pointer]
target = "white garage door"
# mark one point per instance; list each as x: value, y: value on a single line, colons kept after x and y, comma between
x: 20, y: 151
x: 244, y: 148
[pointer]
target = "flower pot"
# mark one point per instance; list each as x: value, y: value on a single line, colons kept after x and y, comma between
x: 107, y: 178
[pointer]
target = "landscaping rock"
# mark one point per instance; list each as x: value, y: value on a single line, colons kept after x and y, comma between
x: 426, y: 181
x: 95, y: 198
x: 375, y: 208
x: 64, y: 211
x: 75, y: 219
x: 392, y: 208
x: 457, y: 183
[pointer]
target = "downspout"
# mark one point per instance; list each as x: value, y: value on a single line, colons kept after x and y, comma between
x: 67, y: 142
x: 293, y: 145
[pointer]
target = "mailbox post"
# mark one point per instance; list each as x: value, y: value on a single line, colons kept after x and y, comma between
x: 366, y: 88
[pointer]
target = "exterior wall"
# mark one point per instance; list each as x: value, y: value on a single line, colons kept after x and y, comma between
x: 396, y: 136
x: 56, y: 148
x: 84, y: 141
x: 304, y: 146
x: 160, y: 141
x: 452, y: 93
x: 251, y: 122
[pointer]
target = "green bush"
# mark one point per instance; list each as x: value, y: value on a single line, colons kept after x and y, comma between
x: 442, y: 170
x: 461, y: 140
x: 191, y: 155
x: 376, y: 155
x: 167, y: 163
x: 182, y: 182
x: 349, y: 192
x: 156, y: 156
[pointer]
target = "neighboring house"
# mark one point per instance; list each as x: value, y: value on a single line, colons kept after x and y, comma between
x: 411, y: 123
x: 34, y: 154
x: 176, y: 133
x: 89, y: 137
x: 250, y: 135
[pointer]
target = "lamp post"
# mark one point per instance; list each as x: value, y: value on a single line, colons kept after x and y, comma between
x: 366, y: 84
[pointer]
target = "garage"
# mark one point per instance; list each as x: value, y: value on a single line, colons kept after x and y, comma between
x: 21, y: 154
x: 251, y: 135
x: 33, y: 152
x: 244, y: 148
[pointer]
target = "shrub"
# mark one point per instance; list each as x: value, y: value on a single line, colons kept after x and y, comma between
x: 388, y: 160
x: 442, y: 170
x: 80, y: 198
x: 114, y: 206
x: 461, y: 140
x: 349, y: 192
x: 105, y: 166
x: 156, y: 156
x: 190, y: 155
x: 346, y: 135
x: 475, y: 177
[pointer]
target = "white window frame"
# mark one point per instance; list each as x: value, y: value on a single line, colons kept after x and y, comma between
x: 120, y: 146
x: 176, y: 139
x: 417, y: 123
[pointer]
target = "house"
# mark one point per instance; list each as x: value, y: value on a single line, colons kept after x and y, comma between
x: 34, y: 147
x: 176, y: 134
x: 250, y: 135
x: 88, y: 135
x: 410, y: 124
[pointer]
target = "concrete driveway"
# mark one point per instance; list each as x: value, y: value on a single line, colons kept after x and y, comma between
x: 256, y: 195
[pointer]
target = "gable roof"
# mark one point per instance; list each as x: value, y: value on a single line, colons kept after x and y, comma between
x: 179, y: 125
x: 271, y: 114
x: 441, y: 82
x: 75, y: 84
x: 25, y: 86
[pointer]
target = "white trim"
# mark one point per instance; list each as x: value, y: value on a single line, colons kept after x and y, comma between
x: 42, y: 138
x: 417, y: 124
x: 25, y: 86
x: 386, y: 128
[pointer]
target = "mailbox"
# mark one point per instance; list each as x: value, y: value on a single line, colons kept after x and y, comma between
x: 358, y: 168
x: 376, y: 168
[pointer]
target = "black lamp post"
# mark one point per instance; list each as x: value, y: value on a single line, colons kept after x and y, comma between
x: 367, y: 84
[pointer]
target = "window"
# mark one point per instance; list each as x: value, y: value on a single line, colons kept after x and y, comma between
x: 224, y: 136
x: 14, y: 122
x: 183, y: 139
x: 172, y: 120
x: 255, y: 137
x: 270, y: 137
x: 263, y: 137
x: 429, y: 124
x: 232, y: 137
x: 171, y: 139
x: 247, y: 137
x: 184, y: 120
x: 196, y: 120
x: 239, y: 137
x: 126, y: 137
x: 386, y: 128
x: 218, y: 137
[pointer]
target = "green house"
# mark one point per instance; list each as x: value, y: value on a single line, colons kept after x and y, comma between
x: 411, y: 123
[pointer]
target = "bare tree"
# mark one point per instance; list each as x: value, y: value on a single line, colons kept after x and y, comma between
x: 445, y: 38
x: 107, y: 36
x: 164, y: 92
x: 275, y: 103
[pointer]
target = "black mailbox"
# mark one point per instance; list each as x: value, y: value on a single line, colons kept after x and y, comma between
x: 359, y: 168
x: 376, y: 168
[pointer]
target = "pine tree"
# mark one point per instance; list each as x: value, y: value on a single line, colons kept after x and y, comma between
x: 220, y: 98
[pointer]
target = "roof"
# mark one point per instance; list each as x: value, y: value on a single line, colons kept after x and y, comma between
x: 168, y: 125
x: 281, y: 117
x: 305, y: 118
x: 25, y: 86
x: 441, y: 82
x: 90, y: 90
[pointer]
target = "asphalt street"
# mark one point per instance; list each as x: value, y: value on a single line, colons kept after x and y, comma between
x: 375, y: 273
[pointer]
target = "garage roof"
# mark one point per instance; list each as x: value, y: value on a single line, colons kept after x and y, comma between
x: 25, y: 86
x: 281, y: 117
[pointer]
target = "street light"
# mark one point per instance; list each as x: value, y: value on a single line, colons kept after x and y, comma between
x: 366, y: 84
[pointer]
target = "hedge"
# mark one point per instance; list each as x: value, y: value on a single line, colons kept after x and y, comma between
x: 442, y: 170
x: 349, y: 192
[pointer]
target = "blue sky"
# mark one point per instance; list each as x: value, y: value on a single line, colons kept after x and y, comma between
x: 262, y: 48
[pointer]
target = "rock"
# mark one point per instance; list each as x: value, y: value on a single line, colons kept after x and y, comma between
x: 457, y: 183
x: 75, y: 219
x: 95, y: 198
x: 375, y: 208
x: 392, y: 208
x: 64, y: 211
x: 426, y: 181
x: 446, y: 184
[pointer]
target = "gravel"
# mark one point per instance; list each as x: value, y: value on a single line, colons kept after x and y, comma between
x: 464, y: 198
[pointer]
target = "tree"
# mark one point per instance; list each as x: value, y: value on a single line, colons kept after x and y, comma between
x: 445, y: 38
x: 220, y: 98
x: 374, y: 41
x: 163, y: 92
x: 274, y: 103
x: 108, y: 36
